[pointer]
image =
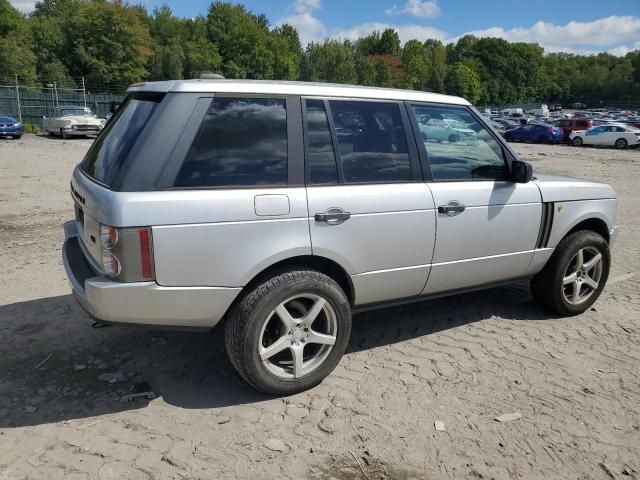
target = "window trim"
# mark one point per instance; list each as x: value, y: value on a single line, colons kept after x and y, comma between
x: 305, y: 130
x: 412, y: 150
x: 295, y: 148
x: 507, y: 153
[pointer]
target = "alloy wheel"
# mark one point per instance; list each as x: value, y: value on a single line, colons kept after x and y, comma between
x: 298, y: 336
x: 582, y: 276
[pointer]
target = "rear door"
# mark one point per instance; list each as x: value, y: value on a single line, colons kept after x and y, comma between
x: 369, y: 209
x: 487, y: 225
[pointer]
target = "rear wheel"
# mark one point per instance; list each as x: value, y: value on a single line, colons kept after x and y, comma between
x: 621, y: 143
x: 577, y: 142
x: 575, y: 275
x: 289, y: 332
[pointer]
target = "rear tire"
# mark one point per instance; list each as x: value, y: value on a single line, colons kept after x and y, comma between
x: 621, y: 144
x: 577, y: 142
x: 575, y: 275
x: 264, y: 341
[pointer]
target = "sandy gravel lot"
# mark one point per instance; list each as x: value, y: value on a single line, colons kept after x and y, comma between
x: 462, y: 361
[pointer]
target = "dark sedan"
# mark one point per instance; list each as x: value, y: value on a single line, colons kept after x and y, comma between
x: 536, y: 133
x: 9, y: 126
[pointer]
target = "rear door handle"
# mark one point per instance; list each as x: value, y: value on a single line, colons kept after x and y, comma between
x: 452, y: 208
x: 333, y: 216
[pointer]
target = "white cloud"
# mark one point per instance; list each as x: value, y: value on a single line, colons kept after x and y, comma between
x: 310, y: 28
x: 305, y: 6
x: 25, y: 6
x: 416, y: 8
x: 605, y: 34
x: 405, y: 32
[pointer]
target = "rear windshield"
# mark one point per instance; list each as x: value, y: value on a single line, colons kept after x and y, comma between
x: 109, y: 152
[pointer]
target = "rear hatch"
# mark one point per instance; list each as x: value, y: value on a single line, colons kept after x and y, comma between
x: 107, y: 160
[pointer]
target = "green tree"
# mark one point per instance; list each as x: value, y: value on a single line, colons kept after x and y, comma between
x: 389, y: 43
x: 414, y: 65
x: 109, y: 43
x: 16, y: 55
x: 436, y: 54
x: 463, y: 81
x: 330, y: 61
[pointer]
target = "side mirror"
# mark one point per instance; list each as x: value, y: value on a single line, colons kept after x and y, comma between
x: 521, y: 172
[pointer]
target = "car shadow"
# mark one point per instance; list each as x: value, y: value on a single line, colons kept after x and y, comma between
x: 52, y: 357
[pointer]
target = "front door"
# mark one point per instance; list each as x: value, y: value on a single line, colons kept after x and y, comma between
x: 487, y: 226
x: 369, y: 209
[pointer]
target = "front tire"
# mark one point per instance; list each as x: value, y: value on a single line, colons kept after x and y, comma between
x: 575, y: 275
x: 63, y: 134
x: 289, y: 332
x: 621, y: 144
x: 577, y: 142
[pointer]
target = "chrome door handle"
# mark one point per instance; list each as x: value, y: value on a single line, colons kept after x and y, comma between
x: 452, y: 208
x: 333, y: 216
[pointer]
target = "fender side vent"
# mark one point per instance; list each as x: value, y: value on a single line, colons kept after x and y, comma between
x: 546, y: 222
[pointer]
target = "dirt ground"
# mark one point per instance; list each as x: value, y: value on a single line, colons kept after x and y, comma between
x: 462, y: 360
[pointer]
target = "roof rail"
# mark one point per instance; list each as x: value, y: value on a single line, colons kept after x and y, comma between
x: 211, y: 76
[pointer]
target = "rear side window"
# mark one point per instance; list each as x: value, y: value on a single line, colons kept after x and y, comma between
x: 108, y: 153
x: 320, y: 154
x: 372, y: 141
x: 582, y: 123
x: 241, y: 142
x: 565, y: 123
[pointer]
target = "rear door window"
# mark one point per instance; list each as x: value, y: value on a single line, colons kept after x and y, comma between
x: 320, y: 154
x: 241, y: 142
x: 372, y: 141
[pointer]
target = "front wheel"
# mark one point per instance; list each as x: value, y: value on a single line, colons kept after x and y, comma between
x: 575, y: 275
x: 289, y: 332
x: 577, y: 142
x: 621, y: 143
x: 63, y: 134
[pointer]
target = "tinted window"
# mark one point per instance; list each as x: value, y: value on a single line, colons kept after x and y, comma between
x: 320, y: 154
x: 458, y: 146
x: 565, y: 123
x: 241, y: 141
x: 372, y: 141
x: 582, y: 123
x: 108, y: 153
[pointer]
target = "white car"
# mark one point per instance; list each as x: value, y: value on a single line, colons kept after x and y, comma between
x: 444, y: 130
x: 614, y: 135
x: 70, y: 121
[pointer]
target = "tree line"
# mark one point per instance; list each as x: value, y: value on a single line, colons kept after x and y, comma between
x: 116, y: 44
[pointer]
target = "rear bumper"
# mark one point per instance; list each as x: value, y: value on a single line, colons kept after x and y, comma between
x: 140, y: 302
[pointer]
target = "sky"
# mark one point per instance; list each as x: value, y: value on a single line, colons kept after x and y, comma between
x: 576, y: 26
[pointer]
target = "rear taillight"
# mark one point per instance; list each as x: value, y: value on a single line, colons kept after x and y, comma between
x: 110, y: 264
x: 145, y: 253
x: 108, y: 236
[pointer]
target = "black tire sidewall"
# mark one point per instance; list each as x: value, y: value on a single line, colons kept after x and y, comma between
x: 576, y: 142
x: 566, y: 251
x: 252, y: 367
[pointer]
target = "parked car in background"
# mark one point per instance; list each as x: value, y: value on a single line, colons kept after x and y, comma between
x: 10, y: 127
x: 536, y: 133
x: 541, y: 111
x: 444, y: 130
x: 582, y: 115
x: 68, y: 121
x: 614, y: 135
x: 512, y: 111
x: 578, y: 105
x: 257, y: 211
x: 557, y: 107
x: 568, y: 125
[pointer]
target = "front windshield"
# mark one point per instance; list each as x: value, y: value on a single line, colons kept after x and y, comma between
x: 66, y: 112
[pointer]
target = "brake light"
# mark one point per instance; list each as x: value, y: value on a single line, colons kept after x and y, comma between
x: 108, y: 236
x: 145, y: 253
x: 111, y: 264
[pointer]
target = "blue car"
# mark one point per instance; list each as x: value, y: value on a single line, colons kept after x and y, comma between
x: 9, y: 126
x: 536, y: 133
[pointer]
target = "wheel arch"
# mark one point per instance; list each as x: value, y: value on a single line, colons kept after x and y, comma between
x: 595, y: 224
x: 322, y: 264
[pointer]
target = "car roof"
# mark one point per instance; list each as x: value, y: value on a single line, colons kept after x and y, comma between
x: 61, y: 107
x: 272, y: 87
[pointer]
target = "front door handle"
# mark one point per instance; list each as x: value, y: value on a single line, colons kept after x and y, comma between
x: 452, y: 208
x: 333, y: 216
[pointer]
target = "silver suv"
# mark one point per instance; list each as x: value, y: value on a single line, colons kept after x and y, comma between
x: 282, y: 208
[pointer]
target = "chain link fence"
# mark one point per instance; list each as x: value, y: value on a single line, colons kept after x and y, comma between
x: 30, y: 101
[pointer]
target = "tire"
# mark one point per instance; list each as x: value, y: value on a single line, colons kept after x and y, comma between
x: 548, y: 286
x: 63, y: 134
x: 544, y: 139
x: 254, y: 326
x: 621, y: 143
x: 17, y: 137
x: 508, y: 138
x: 577, y: 142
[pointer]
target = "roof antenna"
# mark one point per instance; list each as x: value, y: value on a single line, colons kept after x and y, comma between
x: 211, y: 76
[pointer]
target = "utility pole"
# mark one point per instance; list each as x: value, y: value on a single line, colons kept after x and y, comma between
x: 84, y: 93
x: 18, y: 100
x: 55, y: 89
